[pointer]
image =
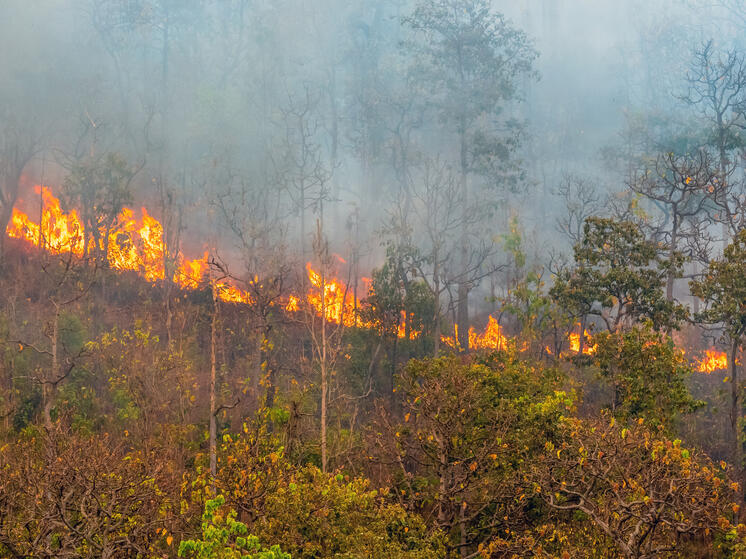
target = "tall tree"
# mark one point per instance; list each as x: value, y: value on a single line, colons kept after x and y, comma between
x: 473, y: 62
x: 716, y: 87
x: 723, y: 290
x: 679, y: 187
x: 17, y: 146
x: 618, y: 276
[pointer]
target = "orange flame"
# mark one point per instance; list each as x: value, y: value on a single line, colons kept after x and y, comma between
x: 292, y: 304
x: 232, y: 294
x: 332, y: 299
x: 589, y: 348
x: 20, y: 227
x: 132, y: 244
x: 491, y: 338
x: 138, y: 245
x: 713, y: 361
x: 59, y: 232
x: 190, y: 273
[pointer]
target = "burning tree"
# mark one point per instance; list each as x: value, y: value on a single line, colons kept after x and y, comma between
x: 399, y: 307
x: 101, y: 190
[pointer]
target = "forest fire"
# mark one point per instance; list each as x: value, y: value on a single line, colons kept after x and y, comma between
x: 137, y: 244
x: 588, y: 347
x: 131, y: 244
x: 491, y: 338
x: 332, y: 299
x: 58, y: 232
x: 713, y: 361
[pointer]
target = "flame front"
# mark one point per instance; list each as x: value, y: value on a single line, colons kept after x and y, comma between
x: 59, y: 231
x: 491, y: 338
x: 138, y: 245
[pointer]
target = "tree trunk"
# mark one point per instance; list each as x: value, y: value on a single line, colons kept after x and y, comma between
x: 671, y: 253
x: 323, y: 368
x: 723, y: 172
x: 213, y: 375
x: 269, y: 400
x: 463, y: 286
x: 443, y: 521
x: 303, y: 224
x: 48, y: 387
x: 462, y: 530
x: 5, y: 213
x: 735, y: 415
x: 436, y: 303
x: 8, y: 202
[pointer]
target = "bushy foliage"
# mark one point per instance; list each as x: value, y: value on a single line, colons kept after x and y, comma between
x: 311, y: 513
x: 467, y: 427
x: 223, y: 537
x: 619, y: 275
x: 647, y: 374
x: 63, y: 495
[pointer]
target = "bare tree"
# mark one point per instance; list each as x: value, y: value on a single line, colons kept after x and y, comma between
x: 679, y: 187
x: 253, y: 216
x: 18, y: 145
x: 68, y: 280
x: 300, y: 167
x: 716, y: 86
x: 581, y: 200
x: 326, y: 324
x: 431, y: 226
